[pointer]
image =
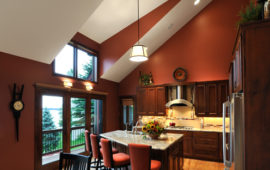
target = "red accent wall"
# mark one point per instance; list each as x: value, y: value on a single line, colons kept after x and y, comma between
x: 203, y: 47
x: 116, y: 46
x: 20, y: 155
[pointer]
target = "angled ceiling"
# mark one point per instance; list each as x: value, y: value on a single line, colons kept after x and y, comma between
x: 175, y: 19
x: 38, y: 30
x: 112, y: 16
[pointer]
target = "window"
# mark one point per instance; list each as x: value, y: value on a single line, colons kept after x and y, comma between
x: 76, y: 61
x: 61, y: 119
x: 127, y: 112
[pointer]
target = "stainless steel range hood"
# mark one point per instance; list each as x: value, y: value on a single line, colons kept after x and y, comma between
x: 179, y: 100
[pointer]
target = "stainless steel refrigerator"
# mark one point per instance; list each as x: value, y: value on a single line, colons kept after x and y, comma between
x: 233, y: 133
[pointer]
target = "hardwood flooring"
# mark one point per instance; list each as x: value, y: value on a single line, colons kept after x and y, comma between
x: 194, y: 164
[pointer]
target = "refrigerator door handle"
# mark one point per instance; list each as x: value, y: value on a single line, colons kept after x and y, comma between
x: 225, y: 106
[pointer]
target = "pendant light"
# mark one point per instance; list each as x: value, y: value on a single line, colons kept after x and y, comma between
x: 138, y: 52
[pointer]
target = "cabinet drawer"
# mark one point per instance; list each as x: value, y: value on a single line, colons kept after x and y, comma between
x: 213, y: 143
x: 205, y: 153
x: 209, y: 135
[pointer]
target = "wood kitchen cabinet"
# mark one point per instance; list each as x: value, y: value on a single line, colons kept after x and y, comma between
x: 201, y: 145
x: 141, y: 100
x: 209, y: 98
x: 205, y: 145
x: 151, y: 100
x: 237, y: 68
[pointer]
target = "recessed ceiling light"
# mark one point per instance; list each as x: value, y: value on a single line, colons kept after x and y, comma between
x: 196, y: 2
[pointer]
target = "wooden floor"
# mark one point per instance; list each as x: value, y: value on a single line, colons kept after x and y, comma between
x: 194, y: 164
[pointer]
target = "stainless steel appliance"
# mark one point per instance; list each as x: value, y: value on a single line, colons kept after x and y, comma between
x: 233, y: 135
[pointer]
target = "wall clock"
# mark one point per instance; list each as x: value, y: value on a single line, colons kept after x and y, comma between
x: 16, y: 106
x: 180, y: 74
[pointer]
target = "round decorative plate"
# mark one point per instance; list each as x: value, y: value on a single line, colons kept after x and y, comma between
x: 180, y: 74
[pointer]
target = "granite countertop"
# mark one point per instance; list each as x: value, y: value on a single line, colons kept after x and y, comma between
x: 205, y: 129
x: 164, y: 142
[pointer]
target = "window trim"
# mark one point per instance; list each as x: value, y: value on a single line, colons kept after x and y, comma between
x: 43, y: 89
x: 76, y: 46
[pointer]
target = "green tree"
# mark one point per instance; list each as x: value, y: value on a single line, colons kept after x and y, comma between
x: 53, y: 137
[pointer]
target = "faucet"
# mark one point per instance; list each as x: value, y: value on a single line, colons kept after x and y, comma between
x: 136, y: 128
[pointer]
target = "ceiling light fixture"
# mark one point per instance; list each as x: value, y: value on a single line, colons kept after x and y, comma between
x: 138, y: 52
x: 196, y: 2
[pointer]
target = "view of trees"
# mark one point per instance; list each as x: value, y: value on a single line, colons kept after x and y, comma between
x: 54, y: 137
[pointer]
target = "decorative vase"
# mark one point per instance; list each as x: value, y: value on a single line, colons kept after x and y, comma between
x: 154, y: 136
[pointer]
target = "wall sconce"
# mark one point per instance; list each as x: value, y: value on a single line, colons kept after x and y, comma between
x: 67, y: 84
x: 88, y: 86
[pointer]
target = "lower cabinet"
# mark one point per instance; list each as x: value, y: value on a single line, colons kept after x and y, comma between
x: 202, y: 145
x: 206, y: 146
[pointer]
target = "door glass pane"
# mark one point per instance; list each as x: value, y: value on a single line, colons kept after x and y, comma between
x: 125, y: 114
x: 77, y: 110
x: 130, y: 114
x: 85, y: 65
x: 52, y: 128
x: 96, y: 116
x: 64, y: 61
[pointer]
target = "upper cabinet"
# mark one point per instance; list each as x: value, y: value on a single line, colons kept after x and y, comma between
x: 237, y: 68
x: 209, y: 97
x: 151, y: 100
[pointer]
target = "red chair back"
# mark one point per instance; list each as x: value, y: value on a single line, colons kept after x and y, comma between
x: 94, y: 145
x: 139, y: 156
x: 107, y: 152
x: 87, y: 140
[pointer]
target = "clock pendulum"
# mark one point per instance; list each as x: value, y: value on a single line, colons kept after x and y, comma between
x: 17, y: 105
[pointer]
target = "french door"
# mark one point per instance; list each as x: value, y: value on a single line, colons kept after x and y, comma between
x: 60, y: 121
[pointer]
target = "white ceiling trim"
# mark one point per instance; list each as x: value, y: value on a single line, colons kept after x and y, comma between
x: 175, y: 19
x: 114, y: 15
x: 38, y: 30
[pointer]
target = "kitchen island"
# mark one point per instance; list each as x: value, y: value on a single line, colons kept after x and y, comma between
x: 168, y: 148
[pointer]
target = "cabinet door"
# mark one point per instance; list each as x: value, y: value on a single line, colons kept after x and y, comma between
x: 188, y: 145
x: 222, y: 95
x: 151, y: 100
x: 205, y: 145
x: 200, y: 99
x: 237, y: 76
x: 231, y: 80
x: 211, y: 99
x: 160, y: 100
x: 141, y: 100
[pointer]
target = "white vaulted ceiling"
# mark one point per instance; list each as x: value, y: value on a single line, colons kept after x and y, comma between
x: 39, y: 29
x: 112, y: 16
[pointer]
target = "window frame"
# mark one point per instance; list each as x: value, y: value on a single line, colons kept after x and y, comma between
x: 77, y: 46
x: 67, y: 94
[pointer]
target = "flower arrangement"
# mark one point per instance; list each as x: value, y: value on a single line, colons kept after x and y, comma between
x: 153, y: 129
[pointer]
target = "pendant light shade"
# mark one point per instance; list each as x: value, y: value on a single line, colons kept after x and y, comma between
x: 138, y: 53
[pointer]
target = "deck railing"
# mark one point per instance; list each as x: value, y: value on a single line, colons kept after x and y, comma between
x: 52, y: 140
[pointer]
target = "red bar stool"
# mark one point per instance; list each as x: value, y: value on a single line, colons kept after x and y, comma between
x: 140, y: 157
x: 111, y: 160
x: 96, y: 150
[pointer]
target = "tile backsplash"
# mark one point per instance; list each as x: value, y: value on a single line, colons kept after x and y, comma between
x: 185, y: 116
